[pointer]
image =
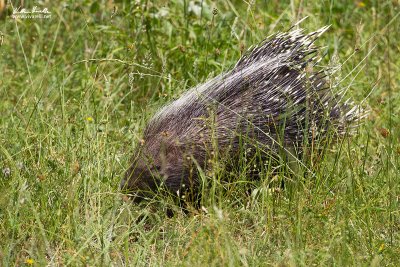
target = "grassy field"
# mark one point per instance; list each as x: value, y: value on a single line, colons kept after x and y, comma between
x: 77, y: 88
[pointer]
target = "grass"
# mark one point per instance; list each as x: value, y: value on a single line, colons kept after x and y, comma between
x: 77, y: 89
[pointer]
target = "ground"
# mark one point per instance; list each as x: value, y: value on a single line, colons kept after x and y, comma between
x: 78, y: 85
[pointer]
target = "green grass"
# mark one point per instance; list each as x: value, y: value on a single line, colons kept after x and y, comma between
x: 77, y: 89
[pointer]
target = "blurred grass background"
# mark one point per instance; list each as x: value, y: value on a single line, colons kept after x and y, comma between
x: 77, y: 88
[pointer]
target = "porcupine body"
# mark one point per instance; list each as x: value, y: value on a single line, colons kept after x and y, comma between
x: 272, y: 99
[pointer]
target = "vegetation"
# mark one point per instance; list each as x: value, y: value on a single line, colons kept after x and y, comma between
x: 77, y: 88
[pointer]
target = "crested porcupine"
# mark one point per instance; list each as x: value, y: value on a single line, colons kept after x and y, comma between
x: 272, y: 99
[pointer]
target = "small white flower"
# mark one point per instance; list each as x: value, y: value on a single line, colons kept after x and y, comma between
x: 6, y: 172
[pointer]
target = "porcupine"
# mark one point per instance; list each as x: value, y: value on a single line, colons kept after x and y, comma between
x: 273, y: 98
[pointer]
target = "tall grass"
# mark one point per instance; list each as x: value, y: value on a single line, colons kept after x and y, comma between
x: 77, y: 89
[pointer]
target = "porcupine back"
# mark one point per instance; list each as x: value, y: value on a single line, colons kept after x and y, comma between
x: 273, y: 96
